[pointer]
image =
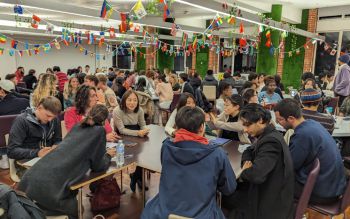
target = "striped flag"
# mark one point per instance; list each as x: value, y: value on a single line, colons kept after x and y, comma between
x: 184, y: 40
x: 3, y: 38
x: 195, y: 42
x: 106, y: 10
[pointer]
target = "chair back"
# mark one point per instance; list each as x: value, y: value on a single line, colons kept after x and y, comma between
x: 5, y: 127
x: 210, y: 92
x: 21, y: 84
x: 333, y: 103
x: 174, y: 102
x: 345, y: 201
x: 173, y: 216
x: 309, y: 185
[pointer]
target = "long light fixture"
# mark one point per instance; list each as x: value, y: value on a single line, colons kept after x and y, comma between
x: 227, y: 14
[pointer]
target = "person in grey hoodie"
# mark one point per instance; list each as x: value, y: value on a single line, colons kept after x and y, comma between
x: 341, y: 85
x: 210, y: 79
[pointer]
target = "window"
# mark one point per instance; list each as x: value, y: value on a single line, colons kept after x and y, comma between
x: 188, y: 61
x: 124, y: 57
x: 325, y: 59
x: 345, y: 44
x: 179, y: 63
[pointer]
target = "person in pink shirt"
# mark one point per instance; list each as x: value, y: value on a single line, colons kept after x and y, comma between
x: 19, y: 74
x: 85, y: 99
x: 61, y: 76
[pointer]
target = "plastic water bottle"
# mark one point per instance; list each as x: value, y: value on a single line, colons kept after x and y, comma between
x: 120, y: 153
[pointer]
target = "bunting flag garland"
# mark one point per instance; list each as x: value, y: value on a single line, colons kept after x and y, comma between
x: 3, y: 38
x: 106, y: 10
x: 1, y: 51
x: 138, y: 11
x: 219, y: 21
x: 261, y: 29
x: 14, y: 44
x: 35, y: 21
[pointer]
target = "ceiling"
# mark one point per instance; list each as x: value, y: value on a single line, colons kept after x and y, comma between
x: 302, y: 4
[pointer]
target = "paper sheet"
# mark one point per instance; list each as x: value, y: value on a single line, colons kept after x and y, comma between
x: 31, y: 162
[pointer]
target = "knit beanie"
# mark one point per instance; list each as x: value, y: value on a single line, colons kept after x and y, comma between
x: 310, y: 95
x: 344, y: 58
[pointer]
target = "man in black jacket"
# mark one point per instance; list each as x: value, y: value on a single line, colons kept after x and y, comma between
x: 30, y: 79
x: 267, y: 174
x: 185, y: 85
x: 36, y: 132
x: 9, y: 103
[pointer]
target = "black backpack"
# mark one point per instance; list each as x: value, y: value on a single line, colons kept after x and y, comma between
x: 18, y: 206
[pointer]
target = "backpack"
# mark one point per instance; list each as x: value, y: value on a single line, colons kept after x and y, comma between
x: 16, y: 205
x: 105, y: 195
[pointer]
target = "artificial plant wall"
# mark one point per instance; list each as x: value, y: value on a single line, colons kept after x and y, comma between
x: 140, y: 60
x: 293, y: 65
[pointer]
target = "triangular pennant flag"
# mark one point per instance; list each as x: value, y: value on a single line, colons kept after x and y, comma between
x: 29, y: 52
x: 3, y: 38
x: 57, y: 45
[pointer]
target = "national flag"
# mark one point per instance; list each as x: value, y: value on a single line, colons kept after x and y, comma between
x: 1, y: 51
x: 66, y: 42
x: 137, y: 29
x: 173, y: 29
x: 139, y: 10
x: 111, y: 32
x: 18, y: 9
x: 35, y: 21
x: 11, y: 52
x: 194, y: 43
x: 26, y: 46
x: 14, y: 44
x: 184, y: 40
x: 231, y: 20
x: 219, y: 21
x: 106, y: 10
x: 57, y: 45
x: 241, y: 28
x: 166, y: 12
x: 29, y: 52
x: 3, y: 38
x: 20, y: 53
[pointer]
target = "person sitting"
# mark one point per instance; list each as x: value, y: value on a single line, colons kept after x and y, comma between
x: 249, y: 96
x: 174, y: 83
x: 35, y: 132
x: 129, y: 119
x: 225, y: 90
x: 310, y: 141
x: 85, y: 99
x: 249, y: 84
x: 322, y: 81
x: 47, y: 86
x: 185, y: 85
x: 269, y: 96
x: 9, y: 103
x: 195, y: 81
x: 344, y: 109
x: 261, y: 81
x: 92, y: 81
x: 18, y: 91
x: 228, y: 125
x: 277, y: 89
x: 228, y: 79
x: 141, y: 85
x: 110, y: 97
x: 330, y: 80
x: 30, y: 79
x: 118, y: 87
x: 186, y: 99
x: 267, y: 175
x: 48, y: 181
x: 189, y: 155
x: 310, y: 99
x: 69, y: 91
x: 254, y: 78
x: 165, y: 92
x: 210, y: 80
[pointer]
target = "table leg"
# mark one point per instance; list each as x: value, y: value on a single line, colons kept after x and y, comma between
x: 143, y: 187
x: 80, y: 203
x: 121, y: 180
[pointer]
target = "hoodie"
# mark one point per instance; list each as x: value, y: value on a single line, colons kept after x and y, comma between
x: 27, y: 135
x: 210, y: 80
x: 192, y: 172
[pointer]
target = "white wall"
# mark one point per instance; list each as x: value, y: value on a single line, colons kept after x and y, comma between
x: 66, y: 58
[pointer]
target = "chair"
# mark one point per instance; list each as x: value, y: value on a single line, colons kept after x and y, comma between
x: 173, y: 105
x: 5, y: 126
x: 333, y: 103
x: 305, y: 195
x: 210, y: 92
x: 173, y: 216
x: 335, y: 208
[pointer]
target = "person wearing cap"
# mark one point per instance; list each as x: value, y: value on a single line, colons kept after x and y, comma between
x: 10, y: 104
x: 228, y: 124
x: 311, y: 98
x: 310, y: 141
x: 341, y: 85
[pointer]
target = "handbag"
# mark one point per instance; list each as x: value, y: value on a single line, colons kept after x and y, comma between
x: 105, y: 195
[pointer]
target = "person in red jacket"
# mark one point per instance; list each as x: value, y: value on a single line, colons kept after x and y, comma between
x: 61, y: 76
x: 19, y: 74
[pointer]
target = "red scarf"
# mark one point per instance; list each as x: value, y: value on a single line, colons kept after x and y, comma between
x: 184, y: 135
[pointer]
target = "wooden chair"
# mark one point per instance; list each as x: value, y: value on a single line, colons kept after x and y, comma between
x: 173, y: 216
x: 209, y: 92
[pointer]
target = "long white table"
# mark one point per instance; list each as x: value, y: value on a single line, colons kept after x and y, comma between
x: 342, y: 128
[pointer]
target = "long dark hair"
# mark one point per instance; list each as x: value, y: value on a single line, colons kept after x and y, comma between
x: 82, y: 98
x: 247, y: 94
x: 183, y: 100
x: 97, y: 116
x: 123, y: 101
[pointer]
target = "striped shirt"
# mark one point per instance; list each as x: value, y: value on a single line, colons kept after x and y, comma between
x: 327, y: 121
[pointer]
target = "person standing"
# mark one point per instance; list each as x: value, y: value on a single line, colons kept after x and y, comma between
x: 61, y: 77
x: 341, y: 85
x: 19, y: 74
x: 30, y: 79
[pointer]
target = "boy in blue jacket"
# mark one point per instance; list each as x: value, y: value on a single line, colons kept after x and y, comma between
x: 192, y: 171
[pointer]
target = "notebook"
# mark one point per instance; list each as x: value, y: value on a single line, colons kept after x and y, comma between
x: 31, y: 162
x: 219, y: 141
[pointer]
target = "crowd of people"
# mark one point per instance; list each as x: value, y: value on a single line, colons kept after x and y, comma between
x: 101, y: 107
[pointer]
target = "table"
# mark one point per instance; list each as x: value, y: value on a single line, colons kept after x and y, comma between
x: 342, y: 128
x: 147, y: 153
